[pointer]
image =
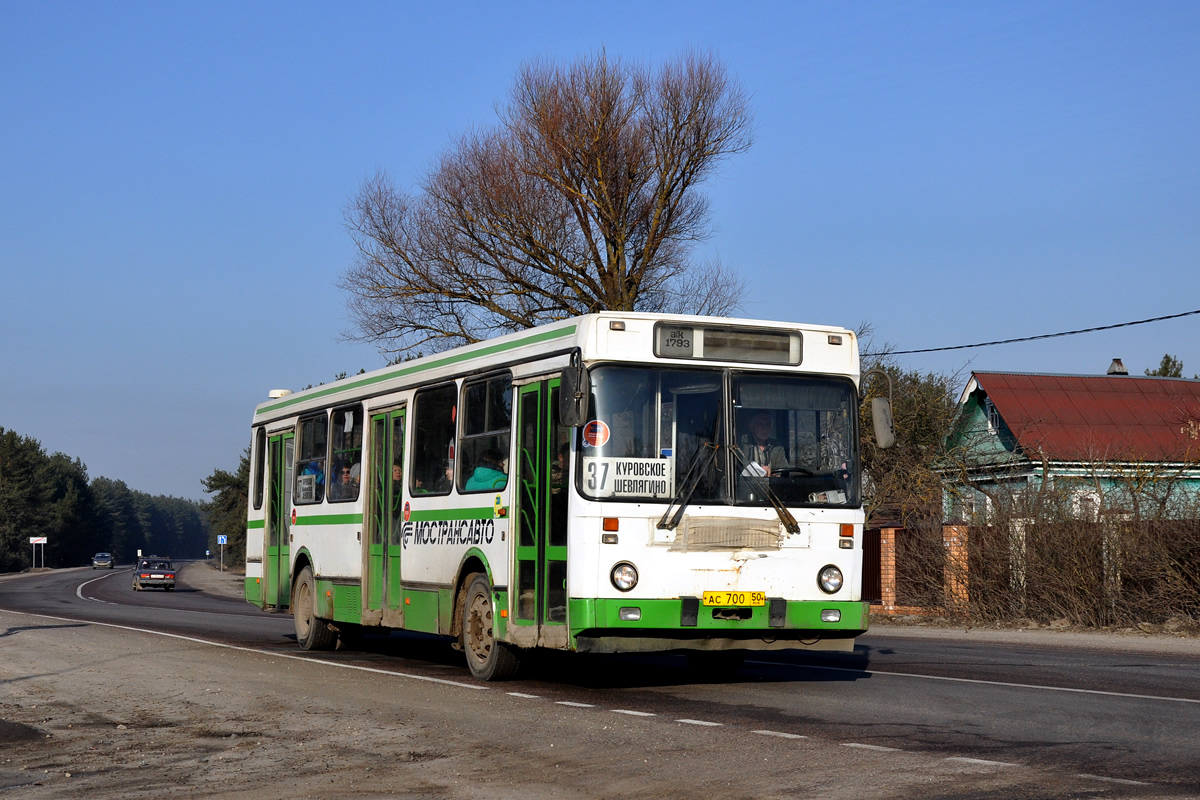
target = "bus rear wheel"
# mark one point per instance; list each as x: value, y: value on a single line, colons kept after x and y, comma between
x: 488, y: 659
x: 312, y: 632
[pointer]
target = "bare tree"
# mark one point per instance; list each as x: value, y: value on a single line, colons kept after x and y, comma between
x: 583, y: 197
x: 904, y: 484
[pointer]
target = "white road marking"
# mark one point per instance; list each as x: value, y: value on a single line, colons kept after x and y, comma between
x: 256, y: 651
x: 79, y: 594
x: 700, y: 722
x: 983, y: 761
x: 1122, y: 781
x: 780, y: 734
x: 986, y: 683
x: 878, y: 747
x: 79, y: 589
x: 633, y: 713
x: 524, y: 696
x: 573, y: 705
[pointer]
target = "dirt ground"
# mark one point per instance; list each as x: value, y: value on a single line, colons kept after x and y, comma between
x: 100, y: 712
x: 97, y: 712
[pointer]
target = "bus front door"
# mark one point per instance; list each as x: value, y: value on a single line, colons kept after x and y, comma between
x: 542, y: 473
x: 277, y: 581
x: 381, y: 593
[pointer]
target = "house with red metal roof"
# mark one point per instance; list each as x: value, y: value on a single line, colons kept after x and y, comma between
x: 1109, y: 441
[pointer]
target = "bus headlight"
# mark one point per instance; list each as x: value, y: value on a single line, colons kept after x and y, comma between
x: 829, y: 579
x: 624, y: 576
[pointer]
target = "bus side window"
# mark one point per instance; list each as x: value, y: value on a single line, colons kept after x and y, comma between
x: 433, y: 440
x: 310, y: 460
x: 347, y: 442
x: 483, y: 450
x: 260, y: 460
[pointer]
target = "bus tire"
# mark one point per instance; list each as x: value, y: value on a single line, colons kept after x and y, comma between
x: 312, y: 632
x: 488, y: 659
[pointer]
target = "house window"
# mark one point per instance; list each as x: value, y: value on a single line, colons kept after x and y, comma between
x: 993, y: 416
x: 1087, y: 506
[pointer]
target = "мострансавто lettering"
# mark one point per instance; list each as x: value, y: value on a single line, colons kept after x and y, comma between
x: 449, y: 532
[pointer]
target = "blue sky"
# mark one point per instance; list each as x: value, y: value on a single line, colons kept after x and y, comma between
x: 172, y: 179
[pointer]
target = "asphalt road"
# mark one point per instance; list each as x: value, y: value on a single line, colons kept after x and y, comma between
x: 984, y: 715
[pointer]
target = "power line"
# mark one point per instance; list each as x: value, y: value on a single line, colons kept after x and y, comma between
x: 1032, y: 338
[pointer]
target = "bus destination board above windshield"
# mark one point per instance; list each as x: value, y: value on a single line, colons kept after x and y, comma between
x: 727, y: 344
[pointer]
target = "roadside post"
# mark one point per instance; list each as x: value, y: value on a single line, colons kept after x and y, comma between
x: 35, y: 541
x: 221, y: 540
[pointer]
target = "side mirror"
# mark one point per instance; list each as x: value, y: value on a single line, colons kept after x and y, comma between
x: 881, y: 416
x: 573, y: 394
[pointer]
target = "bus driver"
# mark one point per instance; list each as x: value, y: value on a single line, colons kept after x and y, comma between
x: 760, y: 448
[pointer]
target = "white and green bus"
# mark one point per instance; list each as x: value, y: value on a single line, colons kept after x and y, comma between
x: 612, y: 483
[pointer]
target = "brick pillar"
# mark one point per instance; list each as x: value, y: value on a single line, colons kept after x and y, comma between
x: 887, y: 568
x: 957, y: 579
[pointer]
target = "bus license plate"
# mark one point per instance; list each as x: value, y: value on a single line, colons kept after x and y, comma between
x: 735, y: 598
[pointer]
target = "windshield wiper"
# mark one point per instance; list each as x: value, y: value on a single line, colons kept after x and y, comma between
x: 687, y: 486
x: 785, y: 516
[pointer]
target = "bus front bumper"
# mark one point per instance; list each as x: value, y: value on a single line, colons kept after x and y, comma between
x: 628, y: 626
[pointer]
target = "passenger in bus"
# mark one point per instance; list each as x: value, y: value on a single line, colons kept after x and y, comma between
x: 558, y: 470
x: 446, y: 480
x: 489, y: 472
x: 760, y: 448
x: 347, y: 487
x: 397, y: 491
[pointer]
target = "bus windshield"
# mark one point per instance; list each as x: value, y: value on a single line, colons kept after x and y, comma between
x: 720, y: 437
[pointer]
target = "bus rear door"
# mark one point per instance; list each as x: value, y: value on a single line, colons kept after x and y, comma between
x: 381, y: 578
x: 277, y: 581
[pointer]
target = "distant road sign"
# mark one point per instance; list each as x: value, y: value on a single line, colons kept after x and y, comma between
x: 38, y: 539
x: 222, y: 539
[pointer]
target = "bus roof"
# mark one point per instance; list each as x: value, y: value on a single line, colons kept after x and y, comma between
x: 833, y: 351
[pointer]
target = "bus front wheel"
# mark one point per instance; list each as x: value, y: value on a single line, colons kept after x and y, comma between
x: 488, y: 659
x: 312, y: 632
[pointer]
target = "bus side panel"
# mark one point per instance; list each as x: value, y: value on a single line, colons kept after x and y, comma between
x: 335, y: 548
x: 440, y: 531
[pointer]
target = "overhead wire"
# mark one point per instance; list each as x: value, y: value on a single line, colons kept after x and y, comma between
x: 1033, y: 338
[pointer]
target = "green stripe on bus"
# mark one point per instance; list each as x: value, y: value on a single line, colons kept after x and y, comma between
x: 256, y: 523
x: 329, y: 519
x: 486, y: 512
x: 409, y: 368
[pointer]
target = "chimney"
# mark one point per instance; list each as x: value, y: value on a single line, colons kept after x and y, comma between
x: 1117, y: 368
